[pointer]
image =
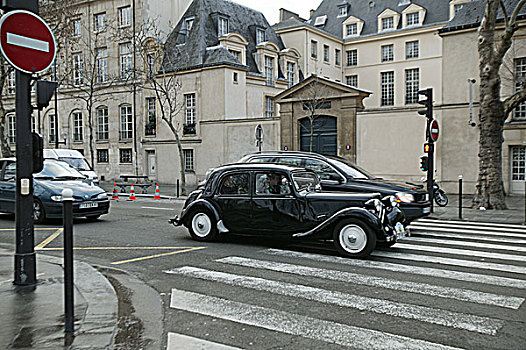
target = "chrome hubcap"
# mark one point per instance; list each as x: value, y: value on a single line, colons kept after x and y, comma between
x: 353, y: 238
x: 201, y: 225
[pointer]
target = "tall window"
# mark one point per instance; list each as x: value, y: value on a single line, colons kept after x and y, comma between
x: 78, y: 69
x: 125, y: 155
x: 150, y: 61
x: 222, y: 26
x: 269, y: 106
x: 411, y: 49
x: 99, y: 22
x: 102, y: 124
x: 291, y: 72
x: 11, y: 128
x: 412, y: 82
x: 352, y: 80
x: 387, y: 53
x: 103, y: 156
x: 151, y: 118
x: 520, y: 80
x: 125, y: 57
x: 52, y: 129
x: 387, y: 79
x: 352, y: 29
x: 102, y: 65
x: 352, y: 58
x: 518, y: 163
x: 78, y: 128
x: 269, y: 70
x: 126, y: 123
x: 188, y: 155
x: 260, y: 36
x: 337, y: 59
x: 125, y: 16
x: 412, y: 19
x: 326, y: 53
x: 190, y: 109
x: 313, y: 49
x: 77, y: 27
x: 387, y: 23
x: 11, y: 82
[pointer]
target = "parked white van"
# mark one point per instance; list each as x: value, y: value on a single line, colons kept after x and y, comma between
x: 73, y: 158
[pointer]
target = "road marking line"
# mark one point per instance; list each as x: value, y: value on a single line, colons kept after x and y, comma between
x: 446, y: 234
x: 466, y: 244
x: 122, y: 248
x: 30, y: 43
x: 49, y: 239
x: 474, y: 253
x: 417, y: 270
x: 380, y: 282
x: 472, y: 323
x: 474, y: 231
x: 156, y: 256
x: 171, y: 209
x: 36, y: 229
x: 184, y: 342
x: 521, y: 228
x: 294, y: 324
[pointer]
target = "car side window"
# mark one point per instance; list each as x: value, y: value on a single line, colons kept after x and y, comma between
x: 324, y: 171
x: 273, y: 183
x: 10, y: 172
x: 261, y: 160
x: 289, y: 160
x: 235, y: 184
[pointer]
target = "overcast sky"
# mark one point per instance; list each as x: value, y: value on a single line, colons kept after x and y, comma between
x: 270, y: 8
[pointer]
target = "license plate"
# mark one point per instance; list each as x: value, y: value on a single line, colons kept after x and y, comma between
x: 400, y: 230
x: 426, y: 210
x: 88, y: 205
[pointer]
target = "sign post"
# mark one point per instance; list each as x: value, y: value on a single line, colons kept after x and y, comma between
x: 28, y: 44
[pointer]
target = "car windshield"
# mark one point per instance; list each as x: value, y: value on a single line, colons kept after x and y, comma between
x: 58, y: 170
x: 351, y: 169
x: 77, y: 163
x: 305, y: 181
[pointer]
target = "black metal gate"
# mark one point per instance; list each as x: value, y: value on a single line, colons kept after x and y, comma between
x: 324, y: 137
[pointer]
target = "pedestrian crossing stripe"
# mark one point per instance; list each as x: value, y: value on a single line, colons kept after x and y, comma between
x: 467, y: 244
x: 456, y: 229
x: 445, y: 233
x: 457, y: 320
x: 294, y: 324
x: 485, y: 225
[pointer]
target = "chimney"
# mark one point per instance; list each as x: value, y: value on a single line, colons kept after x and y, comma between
x: 311, y: 13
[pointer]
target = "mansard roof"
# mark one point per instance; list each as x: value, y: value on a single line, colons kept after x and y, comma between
x: 200, y: 46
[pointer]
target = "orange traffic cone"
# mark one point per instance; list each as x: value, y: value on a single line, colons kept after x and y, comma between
x: 157, y: 196
x: 115, y: 195
x: 132, y: 193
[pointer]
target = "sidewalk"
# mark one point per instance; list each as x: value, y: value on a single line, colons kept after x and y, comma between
x: 33, y: 317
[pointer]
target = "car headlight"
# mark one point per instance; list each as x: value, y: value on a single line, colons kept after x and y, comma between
x: 402, y: 197
x: 102, y: 196
x: 56, y: 198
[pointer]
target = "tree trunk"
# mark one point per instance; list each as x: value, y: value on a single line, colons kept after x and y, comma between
x: 181, y: 156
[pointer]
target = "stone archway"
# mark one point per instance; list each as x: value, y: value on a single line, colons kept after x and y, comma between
x: 324, y: 135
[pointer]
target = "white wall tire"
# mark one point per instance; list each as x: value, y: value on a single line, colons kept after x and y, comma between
x: 354, y: 239
x: 202, y: 226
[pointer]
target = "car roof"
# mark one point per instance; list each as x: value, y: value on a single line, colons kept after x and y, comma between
x: 293, y: 153
x: 259, y: 166
x: 62, y: 152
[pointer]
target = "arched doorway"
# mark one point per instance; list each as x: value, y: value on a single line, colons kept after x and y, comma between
x: 324, y: 138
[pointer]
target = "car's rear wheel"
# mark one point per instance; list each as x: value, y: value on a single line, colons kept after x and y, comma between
x: 203, y: 226
x: 354, y: 239
x: 39, y: 215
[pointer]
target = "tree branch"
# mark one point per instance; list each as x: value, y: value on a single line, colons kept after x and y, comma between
x: 511, y: 28
x: 514, y: 100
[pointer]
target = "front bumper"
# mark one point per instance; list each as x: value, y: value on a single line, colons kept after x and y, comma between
x: 54, y: 210
x: 175, y: 221
x: 414, y: 211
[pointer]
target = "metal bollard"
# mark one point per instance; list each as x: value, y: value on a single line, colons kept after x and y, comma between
x: 177, y: 188
x: 460, y: 197
x: 67, y: 200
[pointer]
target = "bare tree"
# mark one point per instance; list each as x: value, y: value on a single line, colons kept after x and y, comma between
x: 493, y: 44
x: 316, y: 94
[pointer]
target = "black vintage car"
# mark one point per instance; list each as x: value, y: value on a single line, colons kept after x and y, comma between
x: 283, y: 200
x: 337, y: 174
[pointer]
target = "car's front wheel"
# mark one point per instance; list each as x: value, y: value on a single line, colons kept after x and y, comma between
x: 203, y: 226
x: 354, y: 239
x: 39, y: 214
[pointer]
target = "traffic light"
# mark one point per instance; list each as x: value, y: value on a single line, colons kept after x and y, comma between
x: 427, y: 102
x: 38, y: 153
x: 45, y: 90
x: 427, y: 147
x: 29, y: 5
x: 423, y: 163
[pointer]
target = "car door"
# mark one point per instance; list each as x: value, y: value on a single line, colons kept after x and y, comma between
x: 233, y: 198
x: 8, y: 186
x: 275, y: 210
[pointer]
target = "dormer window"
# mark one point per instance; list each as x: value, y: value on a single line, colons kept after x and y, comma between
x: 189, y: 22
x: 260, y: 36
x: 413, y: 19
x: 351, y: 29
x: 342, y: 11
x: 455, y: 6
x: 387, y: 23
x: 222, y: 26
x: 320, y: 20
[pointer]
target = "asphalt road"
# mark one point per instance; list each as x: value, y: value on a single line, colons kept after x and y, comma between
x: 454, y: 286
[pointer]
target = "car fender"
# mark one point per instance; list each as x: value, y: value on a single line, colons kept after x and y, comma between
x: 195, y: 205
x: 357, y: 213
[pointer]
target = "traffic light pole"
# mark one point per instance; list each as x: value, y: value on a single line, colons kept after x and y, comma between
x: 430, y: 168
x: 25, y: 259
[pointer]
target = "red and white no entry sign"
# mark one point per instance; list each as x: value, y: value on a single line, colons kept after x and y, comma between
x: 26, y: 41
x: 434, y: 130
